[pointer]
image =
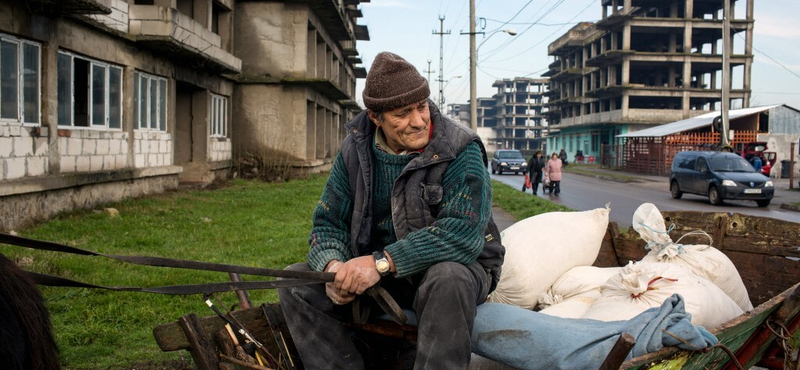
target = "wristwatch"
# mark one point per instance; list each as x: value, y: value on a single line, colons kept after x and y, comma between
x: 381, y: 263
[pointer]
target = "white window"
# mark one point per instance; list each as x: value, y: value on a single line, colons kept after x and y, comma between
x: 89, y: 93
x: 149, y: 102
x: 219, y: 116
x: 20, y: 80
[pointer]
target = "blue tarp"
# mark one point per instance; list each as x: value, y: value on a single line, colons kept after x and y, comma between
x: 530, y: 340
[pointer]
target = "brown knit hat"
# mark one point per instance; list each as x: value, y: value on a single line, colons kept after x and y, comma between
x: 392, y: 83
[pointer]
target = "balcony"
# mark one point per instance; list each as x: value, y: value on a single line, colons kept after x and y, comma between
x: 66, y: 7
x: 572, y: 40
x: 182, y: 38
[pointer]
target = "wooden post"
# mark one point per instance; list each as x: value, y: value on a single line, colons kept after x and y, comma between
x: 791, y: 166
x: 618, y: 353
x: 202, y: 349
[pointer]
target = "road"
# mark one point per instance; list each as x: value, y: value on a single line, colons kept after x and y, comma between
x: 585, y: 193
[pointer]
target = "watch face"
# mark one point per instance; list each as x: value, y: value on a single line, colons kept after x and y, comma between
x: 382, y: 265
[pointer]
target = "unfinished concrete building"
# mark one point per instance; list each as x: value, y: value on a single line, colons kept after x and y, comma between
x: 520, y: 123
x: 297, y: 86
x: 102, y: 100
x: 644, y: 63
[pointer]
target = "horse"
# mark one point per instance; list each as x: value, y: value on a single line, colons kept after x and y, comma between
x: 26, y: 337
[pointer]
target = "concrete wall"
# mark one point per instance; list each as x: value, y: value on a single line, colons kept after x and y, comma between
x: 781, y: 145
x: 271, y: 38
x: 118, y: 19
x: 92, y: 150
x: 270, y: 118
x: 23, y: 151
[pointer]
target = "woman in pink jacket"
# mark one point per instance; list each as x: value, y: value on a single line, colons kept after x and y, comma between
x: 553, y: 172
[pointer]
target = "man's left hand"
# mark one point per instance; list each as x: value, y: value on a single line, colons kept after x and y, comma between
x: 357, y: 274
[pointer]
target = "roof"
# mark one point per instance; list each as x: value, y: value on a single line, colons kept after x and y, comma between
x: 694, y: 123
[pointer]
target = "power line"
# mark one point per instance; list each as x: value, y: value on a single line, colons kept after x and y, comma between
x: 767, y: 55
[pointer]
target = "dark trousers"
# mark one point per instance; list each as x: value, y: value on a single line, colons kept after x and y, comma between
x: 445, y: 299
x: 555, y: 187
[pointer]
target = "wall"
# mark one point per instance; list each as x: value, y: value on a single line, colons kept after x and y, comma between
x: 92, y: 150
x: 23, y: 151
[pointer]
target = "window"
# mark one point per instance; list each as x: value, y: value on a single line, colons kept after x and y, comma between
x: 219, y: 116
x: 149, y: 102
x: 20, y: 76
x: 89, y: 93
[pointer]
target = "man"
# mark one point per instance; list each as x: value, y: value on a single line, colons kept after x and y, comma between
x: 535, y: 168
x: 563, y: 156
x: 406, y: 206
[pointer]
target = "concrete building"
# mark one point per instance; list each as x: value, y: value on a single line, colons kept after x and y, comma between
x: 520, y: 123
x: 644, y: 63
x: 102, y: 100
x: 297, y: 86
x: 512, y: 118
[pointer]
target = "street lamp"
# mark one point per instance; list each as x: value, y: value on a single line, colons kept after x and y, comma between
x: 473, y: 80
x: 446, y: 82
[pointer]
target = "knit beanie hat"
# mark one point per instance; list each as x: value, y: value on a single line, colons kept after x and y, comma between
x: 392, y: 83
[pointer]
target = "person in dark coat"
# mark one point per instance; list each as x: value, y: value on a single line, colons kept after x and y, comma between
x: 535, y: 166
x: 563, y: 156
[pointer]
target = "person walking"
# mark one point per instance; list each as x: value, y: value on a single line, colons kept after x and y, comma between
x: 563, y: 156
x: 553, y: 172
x: 535, y: 167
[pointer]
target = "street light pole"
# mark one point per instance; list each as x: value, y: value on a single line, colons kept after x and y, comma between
x: 473, y: 84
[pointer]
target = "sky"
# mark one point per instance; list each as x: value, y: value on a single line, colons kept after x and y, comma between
x: 408, y: 27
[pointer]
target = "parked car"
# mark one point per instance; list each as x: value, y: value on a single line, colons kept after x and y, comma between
x: 719, y: 176
x: 759, y: 148
x: 509, y: 160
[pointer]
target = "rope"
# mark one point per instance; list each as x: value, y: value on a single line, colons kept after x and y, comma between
x: 659, y: 246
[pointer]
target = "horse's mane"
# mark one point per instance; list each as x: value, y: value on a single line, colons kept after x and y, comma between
x: 26, y: 327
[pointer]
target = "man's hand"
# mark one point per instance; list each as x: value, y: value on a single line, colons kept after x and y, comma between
x: 338, y: 296
x: 356, y: 275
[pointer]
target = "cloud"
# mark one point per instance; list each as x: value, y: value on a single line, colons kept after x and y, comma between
x: 781, y: 27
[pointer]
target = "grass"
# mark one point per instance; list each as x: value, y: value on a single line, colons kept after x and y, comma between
x: 589, y: 170
x: 246, y: 223
x: 521, y: 205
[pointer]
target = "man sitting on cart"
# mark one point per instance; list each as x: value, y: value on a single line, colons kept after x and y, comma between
x: 406, y: 206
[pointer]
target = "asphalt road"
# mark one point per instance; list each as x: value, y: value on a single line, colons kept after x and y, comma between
x: 585, y: 193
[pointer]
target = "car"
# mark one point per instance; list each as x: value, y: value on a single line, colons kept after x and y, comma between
x: 719, y: 176
x: 509, y: 160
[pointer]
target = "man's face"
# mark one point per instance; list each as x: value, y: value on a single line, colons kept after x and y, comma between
x: 406, y: 128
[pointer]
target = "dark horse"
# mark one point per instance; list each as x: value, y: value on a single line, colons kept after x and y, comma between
x: 26, y: 339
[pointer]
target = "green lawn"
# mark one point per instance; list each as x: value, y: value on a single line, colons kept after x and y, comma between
x: 246, y: 222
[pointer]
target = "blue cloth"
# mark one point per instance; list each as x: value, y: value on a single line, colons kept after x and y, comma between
x: 530, y: 340
x: 757, y: 163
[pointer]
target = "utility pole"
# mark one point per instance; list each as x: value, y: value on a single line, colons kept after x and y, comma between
x: 428, y: 71
x: 441, y: 34
x: 473, y: 84
x: 726, y: 71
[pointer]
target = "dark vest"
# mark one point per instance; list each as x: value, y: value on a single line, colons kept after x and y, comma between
x: 421, y: 178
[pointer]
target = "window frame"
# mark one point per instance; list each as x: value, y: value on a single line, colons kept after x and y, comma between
x: 219, y: 116
x: 162, y: 105
x: 21, y: 82
x: 93, y: 63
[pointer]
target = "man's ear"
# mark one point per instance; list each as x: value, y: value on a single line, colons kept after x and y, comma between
x: 373, y: 117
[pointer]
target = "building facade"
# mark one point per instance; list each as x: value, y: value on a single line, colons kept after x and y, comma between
x: 102, y: 100
x: 513, y: 118
x: 644, y: 63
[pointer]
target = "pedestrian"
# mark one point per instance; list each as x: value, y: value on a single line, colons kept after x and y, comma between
x: 757, y: 163
x: 553, y: 171
x: 563, y: 156
x: 535, y: 170
x: 407, y: 205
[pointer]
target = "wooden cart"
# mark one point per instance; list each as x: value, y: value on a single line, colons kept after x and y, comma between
x: 765, y: 251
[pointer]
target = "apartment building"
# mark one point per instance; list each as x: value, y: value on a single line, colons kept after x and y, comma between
x: 520, y: 123
x: 644, y: 63
x: 297, y: 86
x: 102, y: 100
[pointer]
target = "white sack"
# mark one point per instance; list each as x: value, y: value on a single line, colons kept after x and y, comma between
x: 576, y: 281
x: 541, y: 248
x: 702, y: 260
x: 574, y: 307
x: 642, y: 285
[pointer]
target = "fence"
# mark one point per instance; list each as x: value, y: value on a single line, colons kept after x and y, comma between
x: 653, y: 155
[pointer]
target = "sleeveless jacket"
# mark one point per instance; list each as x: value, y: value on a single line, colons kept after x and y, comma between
x: 420, y: 179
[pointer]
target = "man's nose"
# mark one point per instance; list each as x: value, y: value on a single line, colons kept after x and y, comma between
x: 416, y: 120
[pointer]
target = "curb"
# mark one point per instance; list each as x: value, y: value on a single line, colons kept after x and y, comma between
x: 609, y: 178
x: 790, y: 207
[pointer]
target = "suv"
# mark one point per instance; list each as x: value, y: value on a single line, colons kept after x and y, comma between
x: 719, y: 176
x: 509, y: 160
